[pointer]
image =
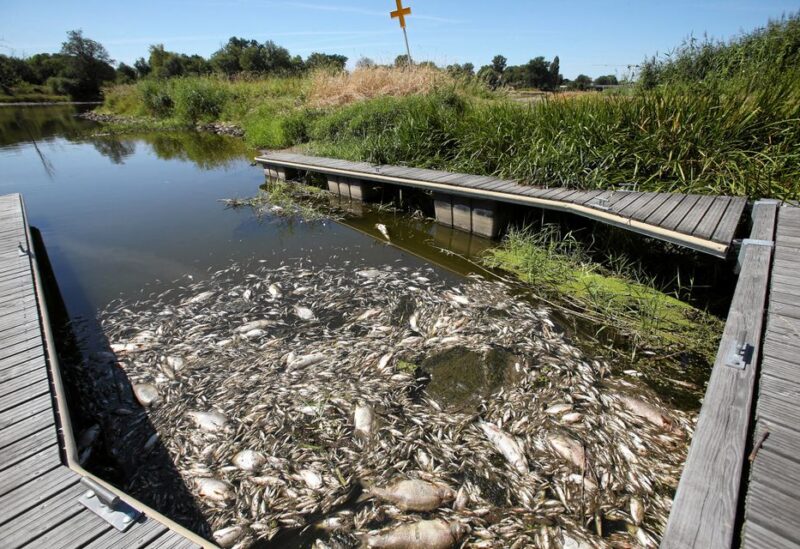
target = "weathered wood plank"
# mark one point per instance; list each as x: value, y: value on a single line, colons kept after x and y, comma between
x: 139, y: 535
x: 726, y: 229
x: 75, y: 532
x: 39, y: 489
x: 35, y: 465
x: 756, y: 536
x: 14, y: 415
x: 676, y: 217
x: 25, y: 447
x: 32, y: 424
x: 706, y: 502
x: 25, y: 394
x: 777, y: 512
x: 44, y: 517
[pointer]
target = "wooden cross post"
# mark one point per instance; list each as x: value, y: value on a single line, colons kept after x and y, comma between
x: 401, y: 13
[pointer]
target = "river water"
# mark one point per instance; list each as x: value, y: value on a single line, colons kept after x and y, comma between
x: 285, y: 329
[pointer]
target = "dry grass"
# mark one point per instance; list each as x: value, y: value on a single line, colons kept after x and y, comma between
x: 336, y: 89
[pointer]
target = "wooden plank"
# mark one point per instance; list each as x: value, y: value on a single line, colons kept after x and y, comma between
x: 622, y: 203
x: 643, y: 213
x: 696, y: 215
x: 18, y: 413
x: 34, y: 466
x: 779, y: 472
x: 676, y: 217
x: 707, y: 499
x: 641, y: 202
x: 19, y: 359
x: 39, y: 489
x: 776, y: 410
x: 42, y: 419
x: 139, y: 535
x: 26, y: 345
x: 31, y: 392
x: 777, y: 512
x: 726, y: 229
x: 25, y: 447
x: 710, y: 220
x: 756, y: 536
x: 21, y: 382
x: 75, y: 532
x: 171, y: 540
x: 44, y: 517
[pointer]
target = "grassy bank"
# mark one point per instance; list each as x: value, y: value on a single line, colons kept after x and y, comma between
x: 32, y: 94
x: 712, y: 118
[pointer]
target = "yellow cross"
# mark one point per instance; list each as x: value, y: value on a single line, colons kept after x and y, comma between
x: 401, y: 12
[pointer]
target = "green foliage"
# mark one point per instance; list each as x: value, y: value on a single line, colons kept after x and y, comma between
x: 197, y: 100
x: 324, y: 61
x: 156, y: 98
x: 88, y: 66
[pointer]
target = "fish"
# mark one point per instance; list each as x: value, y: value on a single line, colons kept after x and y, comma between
x: 199, y: 298
x: 637, y: 510
x: 363, y: 420
x: 414, y: 495
x: 249, y: 460
x: 214, y: 489
x: 304, y: 313
x: 254, y: 325
x: 275, y: 291
x: 431, y: 534
x: 569, y: 449
x: 146, y: 394
x: 383, y: 230
x: 210, y: 422
x: 646, y: 411
x: 507, y: 445
x: 305, y: 361
x: 227, y: 537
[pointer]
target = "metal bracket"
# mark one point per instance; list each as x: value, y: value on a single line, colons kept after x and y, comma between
x: 108, y: 506
x: 742, y: 353
x: 601, y: 202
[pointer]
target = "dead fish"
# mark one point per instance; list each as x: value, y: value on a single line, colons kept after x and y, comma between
x: 559, y: 408
x: 312, y: 479
x: 305, y: 361
x: 363, y: 419
x: 275, y: 290
x: 383, y: 230
x: 175, y: 363
x: 146, y: 394
x: 415, y: 495
x: 304, y: 313
x: 647, y: 411
x: 432, y: 534
x: 461, y: 501
x: 210, y: 422
x: 637, y: 510
x: 572, y: 417
x: 572, y: 543
x: 369, y: 273
x: 254, y: 325
x: 199, y: 298
x: 507, y: 445
x: 86, y: 441
x: 568, y: 448
x: 249, y: 460
x: 227, y: 537
x: 215, y: 490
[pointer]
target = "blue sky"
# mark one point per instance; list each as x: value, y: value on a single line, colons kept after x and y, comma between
x: 592, y: 37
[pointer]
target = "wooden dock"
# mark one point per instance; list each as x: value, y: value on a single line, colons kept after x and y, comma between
x: 704, y: 223
x: 741, y: 482
x: 40, y: 480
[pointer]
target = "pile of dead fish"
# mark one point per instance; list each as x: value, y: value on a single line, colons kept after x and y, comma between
x: 285, y: 400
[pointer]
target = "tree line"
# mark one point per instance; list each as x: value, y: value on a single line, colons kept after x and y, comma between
x: 83, y: 66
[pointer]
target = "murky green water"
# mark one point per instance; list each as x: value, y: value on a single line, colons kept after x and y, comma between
x: 120, y: 212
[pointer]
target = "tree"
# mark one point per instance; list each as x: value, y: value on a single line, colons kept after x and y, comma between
x: 9, y: 76
x: 555, y: 77
x: 582, y: 82
x: 125, y: 74
x: 607, y: 80
x: 401, y: 61
x: 89, y: 65
x: 467, y: 69
x: 326, y: 61
x: 499, y: 64
x: 142, y: 67
x: 365, y: 63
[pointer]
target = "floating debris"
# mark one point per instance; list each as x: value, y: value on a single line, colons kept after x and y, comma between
x: 282, y: 392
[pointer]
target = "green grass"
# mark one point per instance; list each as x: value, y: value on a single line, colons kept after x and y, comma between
x: 616, y: 296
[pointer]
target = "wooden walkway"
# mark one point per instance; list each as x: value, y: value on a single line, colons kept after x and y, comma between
x: 39, y: 493
x: 741, y: 481
x: 704, y: 223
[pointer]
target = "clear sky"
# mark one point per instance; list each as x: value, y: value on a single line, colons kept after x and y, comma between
x: 591, y: 37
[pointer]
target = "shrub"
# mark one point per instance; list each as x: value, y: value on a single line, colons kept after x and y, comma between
x: 198, y: 99
x: 156, y: 98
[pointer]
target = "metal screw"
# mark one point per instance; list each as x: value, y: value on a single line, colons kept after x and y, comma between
x: 89, y: 494
x: 126, y: 519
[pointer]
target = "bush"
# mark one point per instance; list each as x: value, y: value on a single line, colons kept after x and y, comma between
x: 198, y: 99
x: 156, y: 98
